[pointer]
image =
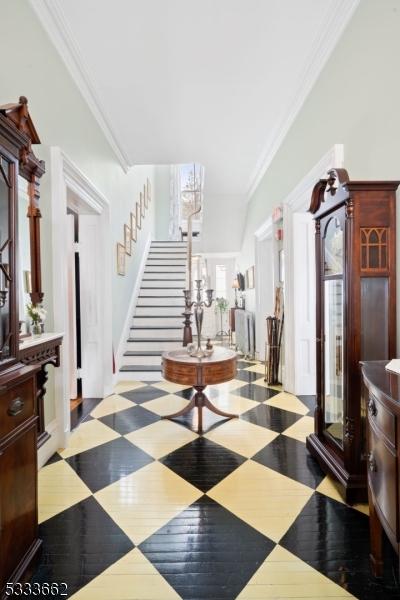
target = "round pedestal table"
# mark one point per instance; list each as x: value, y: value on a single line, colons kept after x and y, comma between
x: 179, y: 367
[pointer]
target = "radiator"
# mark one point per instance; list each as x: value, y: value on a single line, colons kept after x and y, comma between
x: 245, y: 332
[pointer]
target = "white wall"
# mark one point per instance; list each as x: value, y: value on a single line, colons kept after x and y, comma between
x: 63, y: 119
x: 354, y: 102
x: 162, y: 181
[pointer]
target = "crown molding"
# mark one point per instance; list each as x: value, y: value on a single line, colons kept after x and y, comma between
x: 82, y: 186
x: 50, y: 15
x: 322, y: 50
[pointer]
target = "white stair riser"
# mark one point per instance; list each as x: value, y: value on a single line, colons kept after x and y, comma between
x: 173, y: 311
x: 142, y: 360
x: 140, y: 376
x: 137, y: 334
x: 168, y: 302
x: 166, y: 261
x: 160, y: 254
x: 156, y: 322
x: 145, y: 291
x: 176, y: 270
x: 165, y: 275
x: 169, y: 245
x: 156, y: 345
x: 167, y: 283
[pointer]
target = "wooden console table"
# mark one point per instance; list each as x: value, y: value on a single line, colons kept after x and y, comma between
x: 43, y: 350
x: 179, y: 367
x: 382, y: 409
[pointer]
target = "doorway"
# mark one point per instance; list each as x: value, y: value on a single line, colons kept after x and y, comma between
x: 265, y: 284
x: 81, y: 291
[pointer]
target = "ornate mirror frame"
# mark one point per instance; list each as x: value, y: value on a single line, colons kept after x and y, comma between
x: 31, y: 169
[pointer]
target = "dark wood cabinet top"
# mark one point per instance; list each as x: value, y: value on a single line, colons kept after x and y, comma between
x: 385, y: 385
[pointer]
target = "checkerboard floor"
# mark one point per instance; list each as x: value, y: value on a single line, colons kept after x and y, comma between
x: 140, y: 508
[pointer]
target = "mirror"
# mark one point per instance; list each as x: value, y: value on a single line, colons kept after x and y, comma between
x: 24, y: 256
x: 5, y: 271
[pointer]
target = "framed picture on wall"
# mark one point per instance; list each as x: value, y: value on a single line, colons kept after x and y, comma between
x: 146, y: 200
x: 250, y: 278
x: 148, y: 190
x: 127, y: 240
x: 120, y: 259
x: 138, y: 216
x: 142, y: 213
x: 281, y: 256
x: 133, y: 227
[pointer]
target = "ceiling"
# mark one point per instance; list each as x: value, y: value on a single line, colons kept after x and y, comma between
x: 218, y: 82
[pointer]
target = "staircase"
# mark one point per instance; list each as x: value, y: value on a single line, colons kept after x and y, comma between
x: 158, y: 323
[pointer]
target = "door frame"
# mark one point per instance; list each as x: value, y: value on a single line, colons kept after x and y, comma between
x: 266, y: 277
x: 67, y: 177
x: 298, y: 202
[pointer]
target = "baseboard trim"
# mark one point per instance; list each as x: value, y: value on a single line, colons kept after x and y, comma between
x: 52, y: 444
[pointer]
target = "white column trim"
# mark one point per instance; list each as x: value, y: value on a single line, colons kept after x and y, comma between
x: 298, y: 201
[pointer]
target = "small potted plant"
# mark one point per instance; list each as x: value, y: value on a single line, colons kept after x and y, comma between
x: 37, y: 315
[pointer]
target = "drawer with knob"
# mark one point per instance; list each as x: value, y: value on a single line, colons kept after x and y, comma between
x: 17, y: 403
x: 382, y: 469
x: 382, y: 418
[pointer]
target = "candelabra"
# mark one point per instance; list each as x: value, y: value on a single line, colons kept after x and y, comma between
x: 199, y: 305
x: 187, y: 329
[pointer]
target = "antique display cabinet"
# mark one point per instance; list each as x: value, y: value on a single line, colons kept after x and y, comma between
x: 356, y: 315
x: 19, y: 542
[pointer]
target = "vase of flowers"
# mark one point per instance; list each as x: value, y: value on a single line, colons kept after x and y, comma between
x: 37, y: 315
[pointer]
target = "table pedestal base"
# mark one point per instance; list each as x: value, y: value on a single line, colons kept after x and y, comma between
x: 200, y: 401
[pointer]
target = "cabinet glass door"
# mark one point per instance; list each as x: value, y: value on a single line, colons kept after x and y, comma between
x: 5, y: 259
x: 333, y: 329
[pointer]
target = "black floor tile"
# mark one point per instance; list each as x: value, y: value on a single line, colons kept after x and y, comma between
x: 79, y: 544
x: 309, y: 401
x: 242, y: 364
x: 291, y: 458
x: 255, y: 392
x: 82, y: 410
x: 206, y: 552
x: 248, y: 376
x: 107, y: 463
x: 210, y: 421
x: 143, y: 394
x: 203, y: 463
x: 334, y: 539
x: 270, y: 417
x: 53, y: 459
x: 130, y: 419
x: 187, y: 393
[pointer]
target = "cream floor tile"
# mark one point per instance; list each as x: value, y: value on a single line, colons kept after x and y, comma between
x: 168, y: 386
x: 283, y: 575
x: 301, y: 429
x: 166, y: 405
x: 127, y: 386
x: 263, y: 383
x: 259, y: 368
x: 161, y: 438
x: 132, y: 577
x: 288, y: 402
x: 88, y: 435
x: 110, y: 405
x: 242, y: 437
x: 224, y: 388
x: 59, y: 487
x: 233, y: 404
x: 330, y: 487
x: 265, y: 499
x: 143, y: 502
